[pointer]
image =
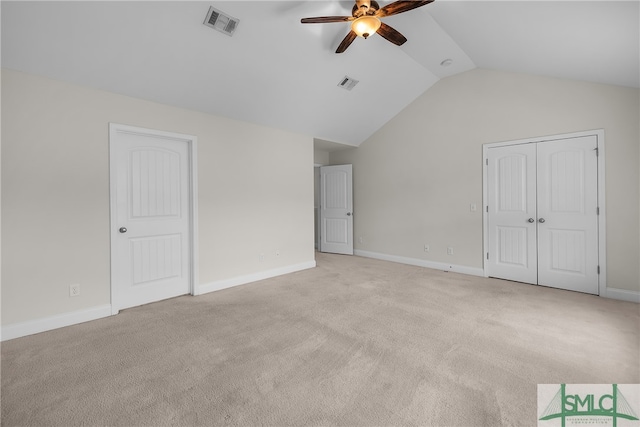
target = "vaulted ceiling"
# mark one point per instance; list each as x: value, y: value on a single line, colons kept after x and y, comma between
x: 278, y: 72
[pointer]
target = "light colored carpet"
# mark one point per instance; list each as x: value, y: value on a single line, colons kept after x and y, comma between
x: 353, y: 342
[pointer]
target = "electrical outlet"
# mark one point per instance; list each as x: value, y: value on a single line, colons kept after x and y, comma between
x: 74, y: 290
x: 473, y: 207
x: 360, y: 239
x: 426, y: 248
x: 277, y: 253
x: 261, y: 257
x: 449, y: 250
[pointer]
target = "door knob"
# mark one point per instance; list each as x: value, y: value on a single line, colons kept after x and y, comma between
x: 541, y: 220
x: 348, y: 213
x: 123, y: 229
x: 531, y: 220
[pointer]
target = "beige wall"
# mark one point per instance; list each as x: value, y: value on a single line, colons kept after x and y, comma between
x: 321, y: 157
x: 414, y: 179
x: 255, y: 193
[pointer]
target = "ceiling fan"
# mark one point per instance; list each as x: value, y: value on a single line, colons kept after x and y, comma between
x: 365, y: 20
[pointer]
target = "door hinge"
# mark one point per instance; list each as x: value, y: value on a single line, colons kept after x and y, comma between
x: 598, y: 269
x: 487, y: 255
x: 486, y: 162
x: 598, y: 210
x: 597, y: 151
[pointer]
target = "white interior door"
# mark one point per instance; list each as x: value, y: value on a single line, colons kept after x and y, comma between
x: 512, y: 213
x: 336, y: 209
x: 567, y: 214
x: 151, y: 236
x: 542, y: 203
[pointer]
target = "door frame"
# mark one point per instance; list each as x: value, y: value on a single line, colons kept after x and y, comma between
x: 192, y: 145
x: 602, y: 240
x: 316, y: 206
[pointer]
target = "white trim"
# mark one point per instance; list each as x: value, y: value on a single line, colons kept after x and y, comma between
x: 622, y: 294
x: 195, y: 246
x: 192, y: 142
x: 249, y: 278
x: 613, y: 293
x: 471, y: 271
x: 485, y: 217
x: 602, y: 218
x: 598, y: 132
x: 602, y: 229
x: 17, y: 330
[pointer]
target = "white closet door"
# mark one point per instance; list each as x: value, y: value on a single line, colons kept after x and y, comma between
x: 542, y: 213
x: 512, y: 213
x: 567, y: 214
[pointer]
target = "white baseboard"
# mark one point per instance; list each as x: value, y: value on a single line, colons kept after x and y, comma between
x: 613, y: 293
x: 242, y: 280
x: 17, y: 330
x: 36, y: 326
x: 422, y: 263
x: 622, y: 294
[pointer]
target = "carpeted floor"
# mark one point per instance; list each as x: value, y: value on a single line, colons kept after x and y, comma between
x: 353, y: 342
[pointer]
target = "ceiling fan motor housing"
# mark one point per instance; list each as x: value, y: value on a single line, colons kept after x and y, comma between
x: 364, y: 7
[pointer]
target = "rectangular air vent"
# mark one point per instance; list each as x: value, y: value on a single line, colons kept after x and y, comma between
x: 221, y: 21
x: 347, y: 83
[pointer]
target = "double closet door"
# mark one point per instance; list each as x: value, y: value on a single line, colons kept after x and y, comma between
x: 542, y: 206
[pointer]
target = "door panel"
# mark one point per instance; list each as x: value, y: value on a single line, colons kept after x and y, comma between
x: 568, y: 222
x: 511, y: 202
x: 156, y: 258
x: 155, y: 185
x: 151, y: 258
x: 512, y: 243
x: 336, y: 209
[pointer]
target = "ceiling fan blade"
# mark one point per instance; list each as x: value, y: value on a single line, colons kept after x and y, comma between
x: 326, y: 19
x: 346, y: 42
x: 391, y: 34
x: 401, y: 6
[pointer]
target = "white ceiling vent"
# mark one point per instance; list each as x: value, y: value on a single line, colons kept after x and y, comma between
x: 221, y: 21
x: 348, y: 83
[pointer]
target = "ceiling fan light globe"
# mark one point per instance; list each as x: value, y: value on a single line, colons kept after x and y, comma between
x: 365, y: 26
